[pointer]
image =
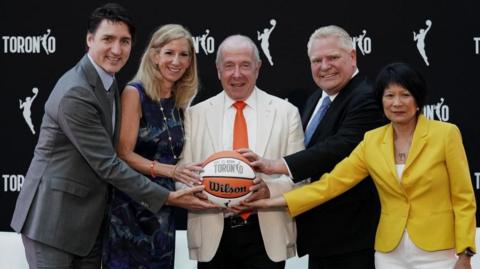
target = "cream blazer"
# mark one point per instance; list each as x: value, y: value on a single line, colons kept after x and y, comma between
x: 279, y: 133
x: 434, y: 200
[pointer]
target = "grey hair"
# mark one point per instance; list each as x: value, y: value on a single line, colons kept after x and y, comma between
x: 237, y: 39
x: 328, y: 31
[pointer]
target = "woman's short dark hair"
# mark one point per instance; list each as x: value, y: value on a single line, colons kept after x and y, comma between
x: 111, y: 12
x: 405, y: 76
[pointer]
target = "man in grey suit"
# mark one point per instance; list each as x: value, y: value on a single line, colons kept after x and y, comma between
x: 62, y: 204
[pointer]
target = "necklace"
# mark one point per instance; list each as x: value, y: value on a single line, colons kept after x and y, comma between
x: 168, y: 129
x: 402, y: 156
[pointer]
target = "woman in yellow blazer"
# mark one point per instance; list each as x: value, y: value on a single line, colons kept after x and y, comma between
x: 421, y: 173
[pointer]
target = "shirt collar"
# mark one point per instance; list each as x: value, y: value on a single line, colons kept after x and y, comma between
x: 105, y: 77
x: 332, y: 97
x: 355, y: 73
x: 251, y: 101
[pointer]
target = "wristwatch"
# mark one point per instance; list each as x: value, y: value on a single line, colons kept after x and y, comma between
x: 468, y: 252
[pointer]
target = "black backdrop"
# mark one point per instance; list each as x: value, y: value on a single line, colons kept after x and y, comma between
x: 40, y: 40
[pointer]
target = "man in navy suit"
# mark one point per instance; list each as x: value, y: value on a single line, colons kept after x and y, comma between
x: 339, y: 234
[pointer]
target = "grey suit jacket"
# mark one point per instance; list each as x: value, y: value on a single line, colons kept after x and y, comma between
x: 63, y: 200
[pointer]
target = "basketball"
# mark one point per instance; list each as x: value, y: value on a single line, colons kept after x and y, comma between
x: 227, y: 177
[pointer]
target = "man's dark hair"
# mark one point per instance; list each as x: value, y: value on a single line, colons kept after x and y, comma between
x: 112, y: 12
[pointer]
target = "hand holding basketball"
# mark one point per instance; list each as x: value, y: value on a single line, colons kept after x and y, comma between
x: 267, y: 203
x: 258, y: 163
x: 185, y: 198
x: 259, y: 190
x: 188, y: 174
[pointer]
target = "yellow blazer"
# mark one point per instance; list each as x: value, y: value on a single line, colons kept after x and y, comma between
x: 434, y: 200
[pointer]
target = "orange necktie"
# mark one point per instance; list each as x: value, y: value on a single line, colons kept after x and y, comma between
x: 240, y: 135
x: 240, y: 138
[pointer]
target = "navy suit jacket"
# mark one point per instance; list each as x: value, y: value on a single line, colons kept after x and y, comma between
x: 347, y: 223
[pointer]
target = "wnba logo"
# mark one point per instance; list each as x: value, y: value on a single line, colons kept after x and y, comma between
x: 439, y: 111
x: 419, y: 38
x: 363, y: 43
x: 30, y: 44
x: 264, y: 37
x: 207, y: 43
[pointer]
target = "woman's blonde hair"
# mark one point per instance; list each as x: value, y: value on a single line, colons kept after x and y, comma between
x: 149, y: 75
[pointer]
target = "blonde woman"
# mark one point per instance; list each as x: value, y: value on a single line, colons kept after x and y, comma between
x: 151, y: 140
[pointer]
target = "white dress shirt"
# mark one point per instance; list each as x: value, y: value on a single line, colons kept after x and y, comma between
x: 250, y: 114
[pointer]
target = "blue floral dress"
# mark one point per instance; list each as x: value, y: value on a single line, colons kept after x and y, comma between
x: 136, y: 237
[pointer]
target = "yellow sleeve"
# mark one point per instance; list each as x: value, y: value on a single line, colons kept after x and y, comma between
x: 346, y: 174
x: 461, y: 191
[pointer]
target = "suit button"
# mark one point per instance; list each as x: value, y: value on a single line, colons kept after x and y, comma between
x: 145, y: 204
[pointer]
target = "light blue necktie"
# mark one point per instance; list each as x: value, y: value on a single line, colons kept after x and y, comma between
x: 316, y: 119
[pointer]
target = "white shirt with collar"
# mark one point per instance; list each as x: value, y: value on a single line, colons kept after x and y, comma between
x: 250, y: 114
x: 317, y: 107
x: 325, y: 95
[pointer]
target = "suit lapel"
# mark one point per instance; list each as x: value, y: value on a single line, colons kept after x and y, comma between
x: 340, y: 100
x: 265, y: 119
x: 418, y: 142
x: 97, y: 86
x: 332, y: 114
x: 389, y: 158
x: 105, y: 105
x: 215, y: 120
x: 117, y: 117
x: 310, y: 107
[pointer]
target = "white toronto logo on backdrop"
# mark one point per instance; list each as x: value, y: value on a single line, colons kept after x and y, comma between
x: 439, y: 111
x: 25, y: 106
x: 477, y: 180
x: 205, y: 42
x: 363, y: 43
x: 420, y: 39
x: 30, y: 44
x: 476, y: 40
x: 264, y: 37
x: 12, y: 182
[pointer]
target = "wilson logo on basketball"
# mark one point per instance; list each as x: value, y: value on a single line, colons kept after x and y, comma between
x: 233, y: 189
x: 227, y: 178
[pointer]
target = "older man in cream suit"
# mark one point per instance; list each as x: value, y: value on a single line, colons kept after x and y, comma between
x: 219, y: 239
